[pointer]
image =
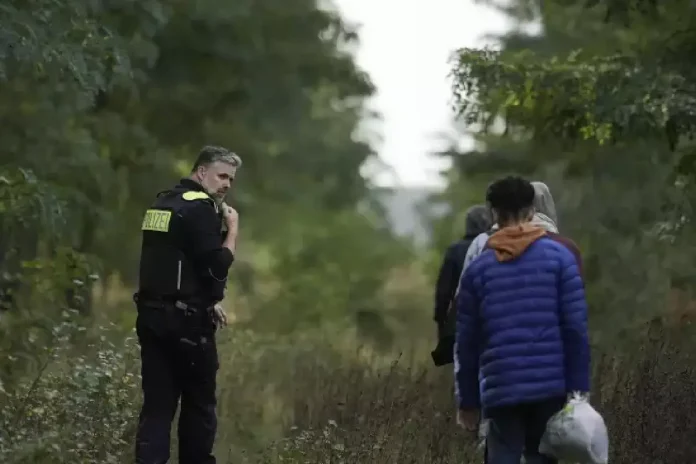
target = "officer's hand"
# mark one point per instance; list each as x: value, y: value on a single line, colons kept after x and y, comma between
x: 231, y: 216
x: 219, y: 316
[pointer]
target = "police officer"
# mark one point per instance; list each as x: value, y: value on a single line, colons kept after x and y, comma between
x: 184, y: 262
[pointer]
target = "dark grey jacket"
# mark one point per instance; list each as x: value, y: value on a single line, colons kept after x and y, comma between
x: 478, y: 220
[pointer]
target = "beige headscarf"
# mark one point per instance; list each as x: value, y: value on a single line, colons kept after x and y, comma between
x: 545, y: 215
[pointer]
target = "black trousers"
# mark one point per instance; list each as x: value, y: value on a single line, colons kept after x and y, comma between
x: 179, y: 363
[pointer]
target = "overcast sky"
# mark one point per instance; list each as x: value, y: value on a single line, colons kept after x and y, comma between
x: 405, y: 47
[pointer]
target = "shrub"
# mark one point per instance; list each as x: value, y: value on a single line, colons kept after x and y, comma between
x: 78, y: 408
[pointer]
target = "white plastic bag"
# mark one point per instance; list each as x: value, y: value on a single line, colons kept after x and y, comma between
x: 577, y: 433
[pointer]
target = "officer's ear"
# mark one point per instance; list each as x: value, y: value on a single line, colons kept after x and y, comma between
x: 201, y: 171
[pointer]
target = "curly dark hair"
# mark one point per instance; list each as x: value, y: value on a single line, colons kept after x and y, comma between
x: 511, y: 198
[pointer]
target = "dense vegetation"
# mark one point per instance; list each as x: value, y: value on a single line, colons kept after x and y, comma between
x: 106, y: 102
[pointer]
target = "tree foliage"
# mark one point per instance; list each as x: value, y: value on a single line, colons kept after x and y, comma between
x: 600, y: 105
x: 107, y: 102
x: 638, y: 86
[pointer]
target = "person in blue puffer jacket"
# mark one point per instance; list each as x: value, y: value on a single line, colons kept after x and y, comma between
x: 521, y: 322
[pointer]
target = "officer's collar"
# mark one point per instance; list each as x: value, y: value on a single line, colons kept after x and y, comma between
x: 191, y: 184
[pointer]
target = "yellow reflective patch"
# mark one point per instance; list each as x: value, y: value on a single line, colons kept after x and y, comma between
x: 193, y: 195
x: 157, y: 220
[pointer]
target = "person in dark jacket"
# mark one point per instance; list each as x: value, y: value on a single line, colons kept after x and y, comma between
x: 522, y: 326
x: 478, y: 220
x: 184, y: 265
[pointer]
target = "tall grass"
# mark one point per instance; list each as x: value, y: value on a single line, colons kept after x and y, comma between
x: 303, y: 401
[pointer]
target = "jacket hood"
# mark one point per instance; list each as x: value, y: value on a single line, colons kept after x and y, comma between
x: 543, y: 202
x: 543, y: 221
x: 478, y: 220
x: 510, y: 242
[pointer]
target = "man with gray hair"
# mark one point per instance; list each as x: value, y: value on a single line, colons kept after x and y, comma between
x: 184, y: 262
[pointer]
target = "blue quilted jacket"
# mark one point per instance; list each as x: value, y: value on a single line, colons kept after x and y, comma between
x: 521, y: 325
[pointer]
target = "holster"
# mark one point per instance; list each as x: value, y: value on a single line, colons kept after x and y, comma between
x: 173, y: 318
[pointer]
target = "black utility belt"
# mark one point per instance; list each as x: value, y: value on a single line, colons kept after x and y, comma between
x: 168, y: 304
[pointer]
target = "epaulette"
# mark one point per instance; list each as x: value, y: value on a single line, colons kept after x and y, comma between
x: 193, y: 195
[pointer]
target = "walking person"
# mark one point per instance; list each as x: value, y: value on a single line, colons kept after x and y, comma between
x: 545, y: 216
x: 478, y: 219
x: 183, y: 273
x: 522, y: 341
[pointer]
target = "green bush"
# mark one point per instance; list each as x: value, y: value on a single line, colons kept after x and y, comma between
x: 78, y: 408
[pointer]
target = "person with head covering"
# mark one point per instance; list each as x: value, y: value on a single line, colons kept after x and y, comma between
x: 544, y: 208
x: 545, y: 217
x: 478, y: 219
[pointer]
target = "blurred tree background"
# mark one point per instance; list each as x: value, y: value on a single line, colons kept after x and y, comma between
x: 601, y: 108
x: 106, y: 102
